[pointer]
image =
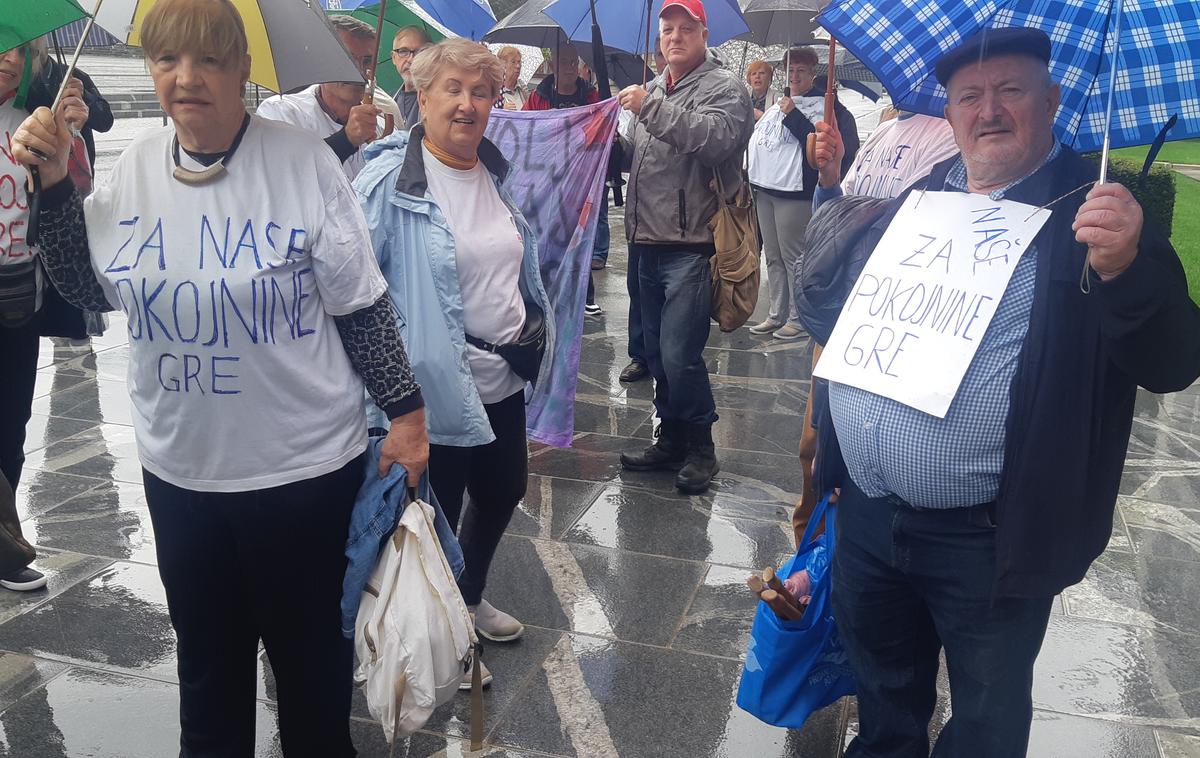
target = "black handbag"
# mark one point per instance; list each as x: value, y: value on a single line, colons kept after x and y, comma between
x: 18, y: 293
x: 526, y: 353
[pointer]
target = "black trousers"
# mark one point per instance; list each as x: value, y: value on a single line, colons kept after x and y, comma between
x: 495, y: 476
x: 266, y: 564
x: 18, y: 374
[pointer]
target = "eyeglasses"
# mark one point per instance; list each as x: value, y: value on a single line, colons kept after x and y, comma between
x: 404, y: 52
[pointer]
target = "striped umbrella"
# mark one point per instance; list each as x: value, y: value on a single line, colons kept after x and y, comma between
x: 292, y: 45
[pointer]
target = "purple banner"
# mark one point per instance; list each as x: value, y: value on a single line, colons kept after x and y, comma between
x: 559, y: 159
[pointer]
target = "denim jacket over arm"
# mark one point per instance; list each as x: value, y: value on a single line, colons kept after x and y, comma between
x: 416, y: 252
x: 377, y: 509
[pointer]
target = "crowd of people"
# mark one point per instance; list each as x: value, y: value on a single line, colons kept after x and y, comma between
x: 399, y: 263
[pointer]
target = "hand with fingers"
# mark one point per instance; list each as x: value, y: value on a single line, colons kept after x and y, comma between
x: 363, y: 124
x: 407, y: 443
x: 43, y: 141
x: 829, y: 152
x: 72, y: 105
x: 1110, y: 223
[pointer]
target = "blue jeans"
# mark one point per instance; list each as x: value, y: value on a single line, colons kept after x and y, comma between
x: 600, y: 246
x: 908, y: 582
x: 676, y: 303
x: 637, y: 340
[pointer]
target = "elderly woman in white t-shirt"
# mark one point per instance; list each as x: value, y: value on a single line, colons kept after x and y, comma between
x: 256, y: 314
x: 462, y: 267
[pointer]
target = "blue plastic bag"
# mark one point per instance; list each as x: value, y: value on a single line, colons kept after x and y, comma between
x: 796, y: 667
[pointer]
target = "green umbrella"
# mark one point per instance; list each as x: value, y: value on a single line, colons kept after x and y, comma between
x: 29, y: 19
x: 397, y: 16
x: 25, y: 20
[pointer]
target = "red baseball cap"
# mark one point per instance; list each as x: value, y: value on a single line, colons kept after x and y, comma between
x: 694, y: 8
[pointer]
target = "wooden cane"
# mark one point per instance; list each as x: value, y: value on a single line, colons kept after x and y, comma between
x: 783, y: 609
x: 773, y: 582
x: 811, y: 145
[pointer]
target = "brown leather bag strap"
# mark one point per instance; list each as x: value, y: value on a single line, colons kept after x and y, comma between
x: 476, y: 699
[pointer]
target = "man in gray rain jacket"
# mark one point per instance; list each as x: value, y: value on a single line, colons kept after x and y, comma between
x: 691, y: 122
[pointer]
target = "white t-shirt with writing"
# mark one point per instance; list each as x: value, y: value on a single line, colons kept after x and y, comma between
x: 775, y: 158
x: 487, y: 255
x: 237, y: 373
x: 898, y: 153
x: 14, y: 209
x: 302, y: 109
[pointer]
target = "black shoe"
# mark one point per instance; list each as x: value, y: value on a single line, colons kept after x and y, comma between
x: 598, y: 265
x: 667, y: 452
x: 634, y: 372
x: 701, y: 464
x: 24, y: 580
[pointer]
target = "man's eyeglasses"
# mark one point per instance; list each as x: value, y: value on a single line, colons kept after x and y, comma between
x: 404, y: 52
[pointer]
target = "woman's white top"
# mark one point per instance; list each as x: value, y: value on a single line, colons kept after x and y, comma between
x: 237, y: 373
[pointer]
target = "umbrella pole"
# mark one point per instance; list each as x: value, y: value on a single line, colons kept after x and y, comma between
x: 1112, y: 89
x: 58, y: 53
x: 1085, y: 281
x: 369, y: 93
x: 649, y: 55
x: 87, y: 31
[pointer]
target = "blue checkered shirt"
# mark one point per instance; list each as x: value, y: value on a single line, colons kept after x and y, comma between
x: 950, y: 462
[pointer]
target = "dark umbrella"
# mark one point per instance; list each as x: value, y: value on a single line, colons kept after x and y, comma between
x: 528, y: 25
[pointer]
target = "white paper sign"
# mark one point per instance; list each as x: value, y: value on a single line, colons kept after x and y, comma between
x: 919, y: 309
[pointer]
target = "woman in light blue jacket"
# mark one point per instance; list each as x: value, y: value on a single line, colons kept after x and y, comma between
x: 462, y: 269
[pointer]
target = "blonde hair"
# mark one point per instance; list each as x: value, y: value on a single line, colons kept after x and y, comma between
x: 212, y: 27
x: 459, y: 53
x: 508, y: 51
x: 759, y: 66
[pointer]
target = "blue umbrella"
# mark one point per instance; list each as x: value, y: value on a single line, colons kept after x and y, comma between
x: 624, y: 22
x: 1153, y: 77
x: 467, y: 18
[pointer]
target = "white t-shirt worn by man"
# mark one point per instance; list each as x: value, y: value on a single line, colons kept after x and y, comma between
x: 304, y: 110
x: 898, y: 153
x: 487, y: 255
x: 14, y: 209
x: 237, y: 373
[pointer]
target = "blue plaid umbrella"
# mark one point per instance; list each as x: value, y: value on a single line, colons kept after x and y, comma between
x: 1157, y: 72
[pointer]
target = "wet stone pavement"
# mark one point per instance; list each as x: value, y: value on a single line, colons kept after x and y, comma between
x: 632, y: 594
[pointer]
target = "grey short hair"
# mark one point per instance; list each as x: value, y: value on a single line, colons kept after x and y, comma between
x: 417, y: 30
x: 459, y: 53
x: 352, y: 27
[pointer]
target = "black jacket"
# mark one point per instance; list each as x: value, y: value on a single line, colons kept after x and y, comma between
x: 1071, y: 402
x: 800, y: 127
x: 100, y: 118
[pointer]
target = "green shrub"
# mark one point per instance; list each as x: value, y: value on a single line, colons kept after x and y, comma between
x: 1155, y: 192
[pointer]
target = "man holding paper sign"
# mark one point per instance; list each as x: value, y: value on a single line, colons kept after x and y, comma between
x: 983, y: 401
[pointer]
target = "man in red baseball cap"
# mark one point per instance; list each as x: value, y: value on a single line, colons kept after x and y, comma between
x: 690, y: 123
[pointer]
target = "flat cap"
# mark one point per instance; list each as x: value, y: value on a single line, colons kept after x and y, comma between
x: 986, y: 43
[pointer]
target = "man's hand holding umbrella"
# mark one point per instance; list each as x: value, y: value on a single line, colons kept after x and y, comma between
x: 829, y: 152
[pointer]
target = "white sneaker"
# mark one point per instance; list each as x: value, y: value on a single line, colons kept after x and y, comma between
x: 592, y: 309
x: 495, y: 625
x: 485, y: 678
x: 766, y: 327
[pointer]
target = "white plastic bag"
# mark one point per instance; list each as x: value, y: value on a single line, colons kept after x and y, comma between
x: 414, y: 636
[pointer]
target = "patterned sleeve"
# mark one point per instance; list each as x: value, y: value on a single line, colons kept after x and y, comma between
x: 64, y: 248
x: 372, y: 342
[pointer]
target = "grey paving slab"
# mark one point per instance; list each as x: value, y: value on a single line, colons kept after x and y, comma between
x: 43, y: 430
x: 719, y: 618
x: 594, y: 590
x: 100, y: 400
x: 1139, y: 589
x: 118, y: 619
x: 648, y: 523
x: 63, y: 571
x: 106, y: 451
x: 1118, y: 671
x: 111, y: 520
x: 594, y: 697
x: 42, y: 490
x: 22, y: 674
x: 1064, y: 736
x: 552, y: 505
